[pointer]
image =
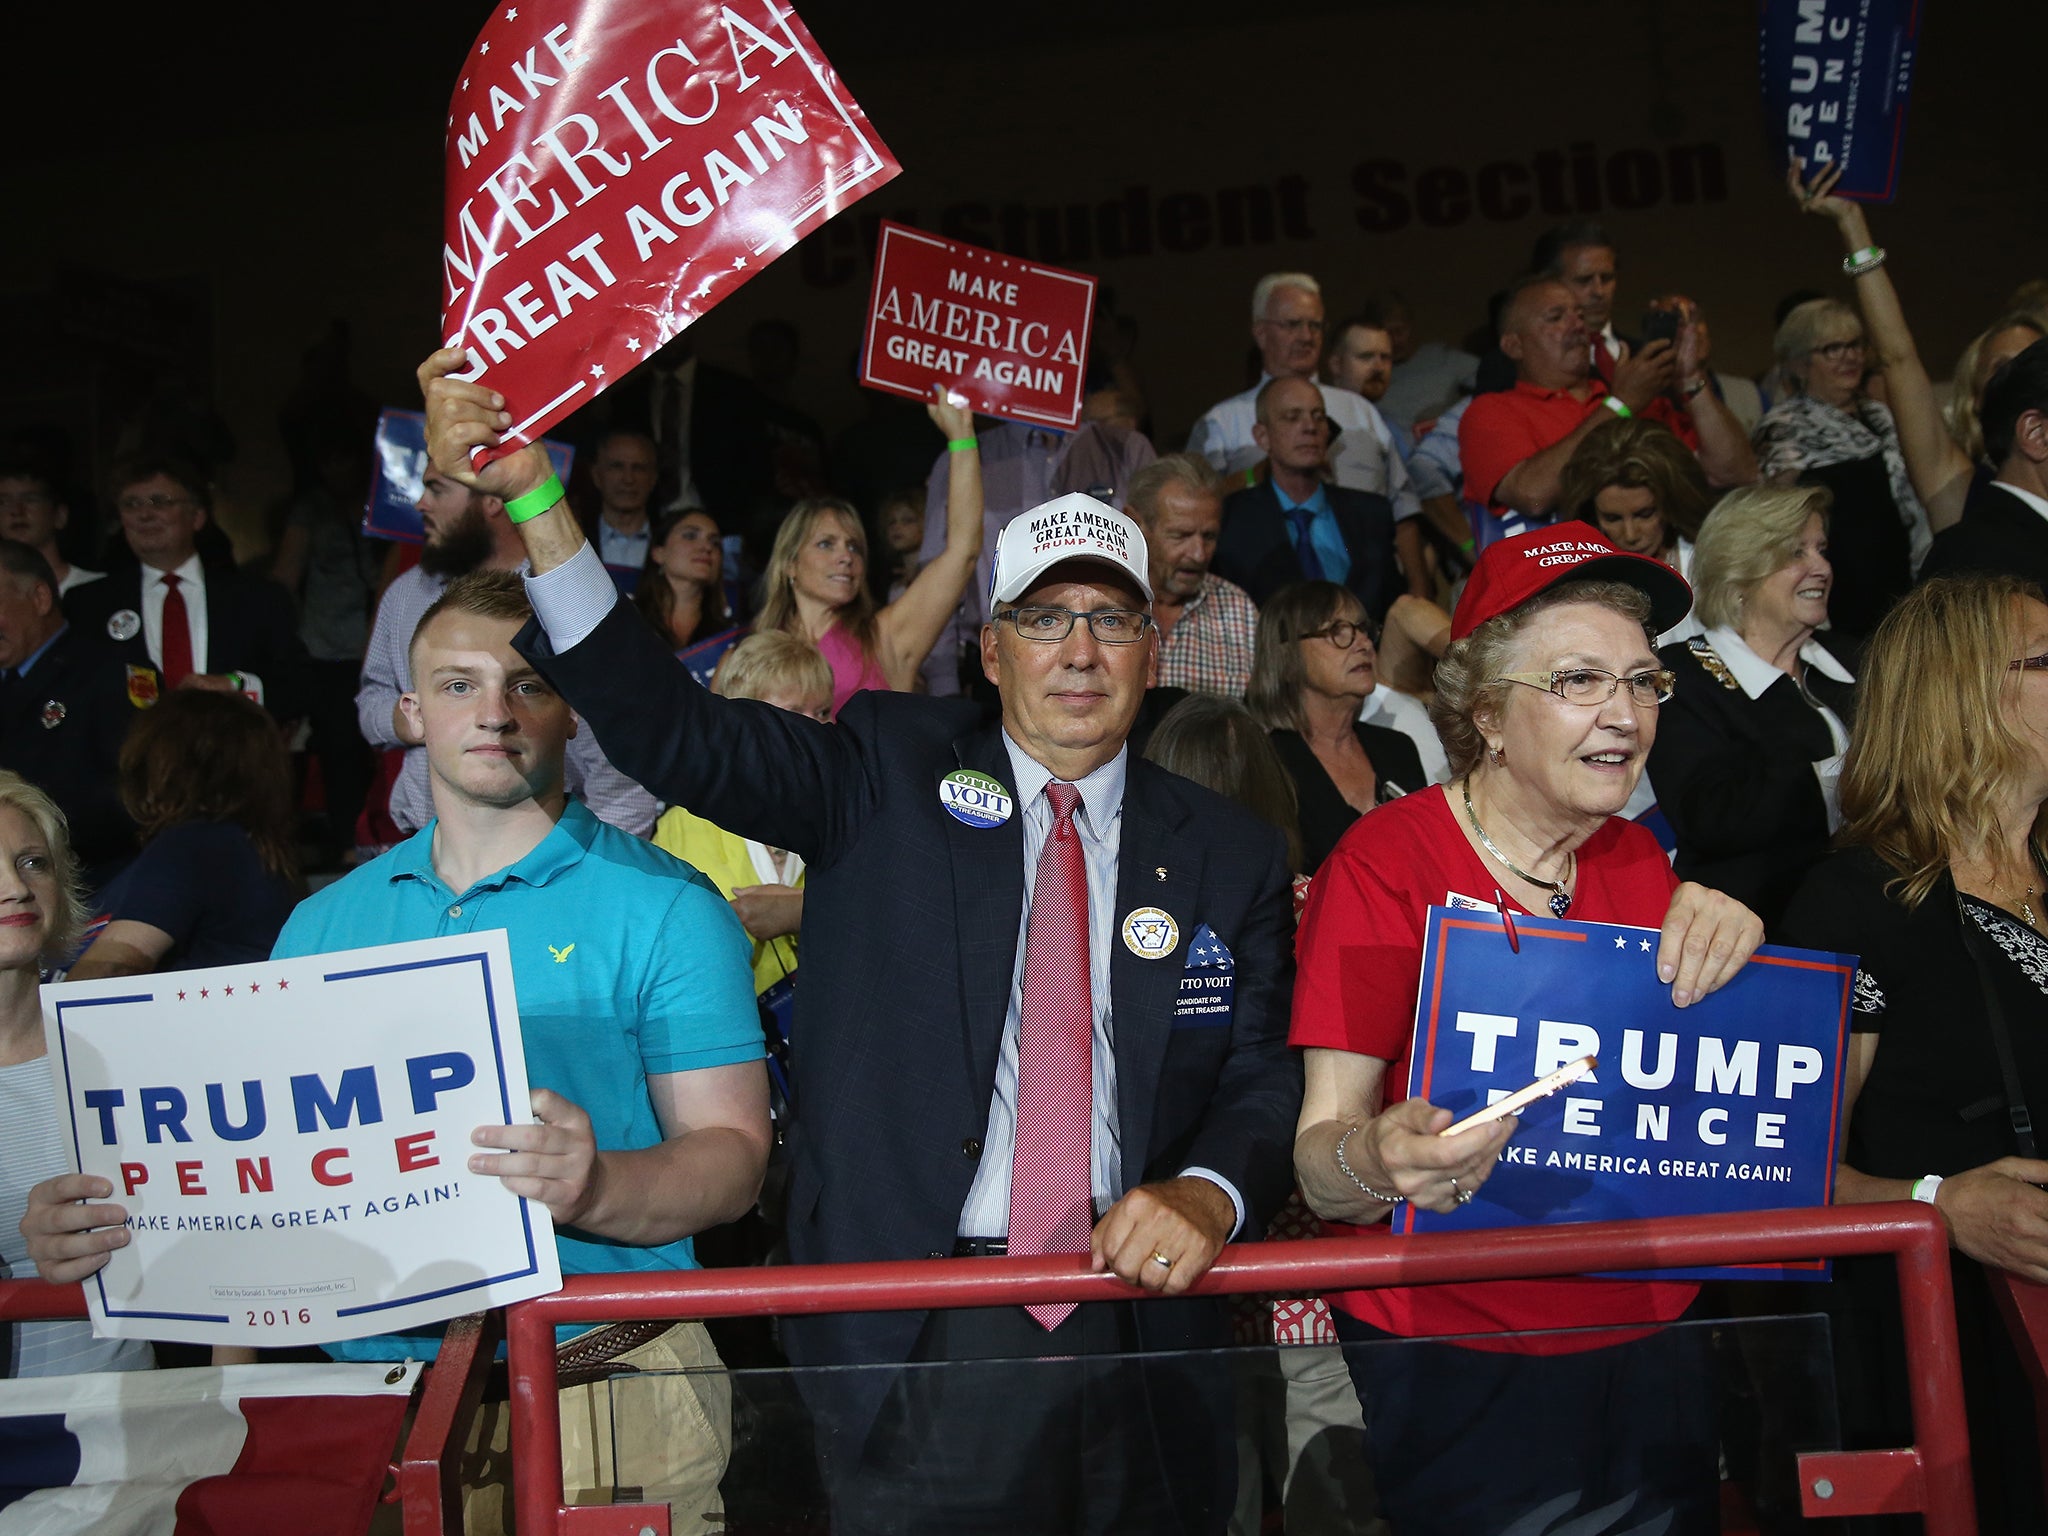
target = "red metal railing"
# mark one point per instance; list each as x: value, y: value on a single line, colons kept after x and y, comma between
x: 426, y: 1474
x: 1931, y: 1476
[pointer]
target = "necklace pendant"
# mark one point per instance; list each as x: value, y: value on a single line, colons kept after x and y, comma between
x: 1560, y: 904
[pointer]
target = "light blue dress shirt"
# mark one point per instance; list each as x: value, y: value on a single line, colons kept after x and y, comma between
x: 1322, y: 531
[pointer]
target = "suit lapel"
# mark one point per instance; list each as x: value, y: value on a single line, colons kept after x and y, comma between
x: 988, y: 893
x: 1155, y: 838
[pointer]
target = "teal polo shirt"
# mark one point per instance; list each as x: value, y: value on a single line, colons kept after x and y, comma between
x: 626, y: 961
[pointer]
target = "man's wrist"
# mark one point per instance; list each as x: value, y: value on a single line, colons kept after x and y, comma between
x: 544, y: 497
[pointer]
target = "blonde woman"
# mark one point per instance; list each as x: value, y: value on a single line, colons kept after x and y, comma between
x: 1940, y: 884
x: 765, y: 885
x: 42, y: 911
x: 816, y: 585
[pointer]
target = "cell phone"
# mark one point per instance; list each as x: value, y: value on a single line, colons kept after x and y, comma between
x: 1543, y: 1087
x: 1660, y: 325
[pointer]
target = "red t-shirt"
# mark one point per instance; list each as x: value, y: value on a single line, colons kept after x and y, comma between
x: 1502, y: 429
x: 1359, y: 968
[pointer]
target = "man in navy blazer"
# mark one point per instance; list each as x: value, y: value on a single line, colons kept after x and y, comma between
x: 1349, y: 535
x: 920, y: 826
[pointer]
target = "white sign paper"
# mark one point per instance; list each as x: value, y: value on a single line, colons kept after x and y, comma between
x: 291, y: 1140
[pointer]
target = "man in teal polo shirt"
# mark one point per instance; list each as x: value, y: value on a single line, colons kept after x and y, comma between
x: 643, y: 1046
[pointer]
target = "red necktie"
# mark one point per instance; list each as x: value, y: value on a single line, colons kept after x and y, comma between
x: 1051, y: 1195
x: 1603, y: 361
x: 177, y: 642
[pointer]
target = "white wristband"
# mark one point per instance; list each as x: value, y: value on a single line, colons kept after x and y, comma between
x: 1926, y: 1187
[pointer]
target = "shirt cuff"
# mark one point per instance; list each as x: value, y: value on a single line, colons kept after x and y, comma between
x: 572, y: 599
x: 1230, y: 1189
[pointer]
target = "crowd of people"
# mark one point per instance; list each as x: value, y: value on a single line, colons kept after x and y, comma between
x: 866, y: 785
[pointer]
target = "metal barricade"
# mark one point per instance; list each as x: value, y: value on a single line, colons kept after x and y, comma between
x: 425, y: 1475
x: 1930, y: 1476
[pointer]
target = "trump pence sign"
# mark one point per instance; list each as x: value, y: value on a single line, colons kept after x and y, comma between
x: 1731, y: 1104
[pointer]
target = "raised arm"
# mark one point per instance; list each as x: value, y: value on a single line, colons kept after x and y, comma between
x: 909, y: 627
x: 1725, y: 454
x: 1940, y: 470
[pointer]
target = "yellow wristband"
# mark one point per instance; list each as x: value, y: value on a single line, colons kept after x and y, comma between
x: 542, y: 498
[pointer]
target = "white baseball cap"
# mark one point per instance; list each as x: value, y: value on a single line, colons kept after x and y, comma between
x: 1070, y: 527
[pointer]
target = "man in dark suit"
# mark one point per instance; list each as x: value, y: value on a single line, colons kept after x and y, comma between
x: 187, y: 622
x: 2004, y: 526
x: 1293, y: 526
x: 1045, y: 1001
x: 64, y: 711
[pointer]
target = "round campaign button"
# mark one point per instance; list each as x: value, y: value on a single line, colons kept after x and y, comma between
x: 974, y: 799
x: 1150, y: 934
x: 125, y: 625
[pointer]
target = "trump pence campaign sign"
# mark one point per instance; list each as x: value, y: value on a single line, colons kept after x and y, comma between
x: 614, y: 171
x: 1731, y: 1104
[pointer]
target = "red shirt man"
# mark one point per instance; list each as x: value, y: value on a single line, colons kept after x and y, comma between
x: 1515, y: 444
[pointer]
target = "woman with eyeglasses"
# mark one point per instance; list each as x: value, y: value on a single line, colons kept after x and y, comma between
x: 1749, y: 755
x: 1548, y: 700
x: 1313, y: 668
x: 1829, y: 432
x: 1940, y: 884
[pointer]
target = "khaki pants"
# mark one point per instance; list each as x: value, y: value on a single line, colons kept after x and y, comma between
x: 654, y: 1438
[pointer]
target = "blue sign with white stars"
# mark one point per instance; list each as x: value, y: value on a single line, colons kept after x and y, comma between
x: 1731, y: 1104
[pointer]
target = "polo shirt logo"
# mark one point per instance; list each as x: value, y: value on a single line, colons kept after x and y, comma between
x: 561, y: 955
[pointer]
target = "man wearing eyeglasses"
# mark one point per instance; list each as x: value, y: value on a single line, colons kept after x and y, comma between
x: 1288, y: 329
x: 1044, y: 1011
x: 181, y: 621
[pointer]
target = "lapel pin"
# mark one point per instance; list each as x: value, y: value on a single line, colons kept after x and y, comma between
x: 1160, y: 871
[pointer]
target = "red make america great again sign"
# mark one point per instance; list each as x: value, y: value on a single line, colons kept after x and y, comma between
x: 616, y: 169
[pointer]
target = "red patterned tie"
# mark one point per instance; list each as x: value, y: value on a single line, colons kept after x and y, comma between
x: 177, y: 645
x: 1051, y: 1198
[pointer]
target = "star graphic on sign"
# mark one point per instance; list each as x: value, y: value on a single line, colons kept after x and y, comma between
x: 282, y: 985
x: 632, y: 343
x: 486, y: 48
x: 465, y: 86
x: 202, y: 991
x: 181, y: 997
x: 597, y: 370
x: 738, y: 262
x: 512, y: 14
x: 255, y: 986
x: 1646, y: 946
x: 230, y: 991
x: 1620, y: 942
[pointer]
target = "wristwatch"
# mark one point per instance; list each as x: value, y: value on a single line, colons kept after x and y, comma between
x: 1926, y: 1187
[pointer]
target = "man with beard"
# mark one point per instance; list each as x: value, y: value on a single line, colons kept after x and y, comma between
x: 1207, y: 626
x: 465, y: 532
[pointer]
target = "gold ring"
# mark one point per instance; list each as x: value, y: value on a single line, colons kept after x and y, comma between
x: 1160, y: 1258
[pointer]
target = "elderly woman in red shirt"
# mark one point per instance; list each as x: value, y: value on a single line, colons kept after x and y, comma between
x: 1547, y: 703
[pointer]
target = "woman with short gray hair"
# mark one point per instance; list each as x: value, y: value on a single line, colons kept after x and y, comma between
x: 1829, y: 432
x: 1749, y: 752
x: 1548, y: 700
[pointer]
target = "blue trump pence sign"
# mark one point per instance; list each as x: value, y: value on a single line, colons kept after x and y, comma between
x: 1731, y: 1104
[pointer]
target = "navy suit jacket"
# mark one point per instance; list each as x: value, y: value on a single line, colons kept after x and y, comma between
x: 249, y: 628
x: 909, y: 942
x: 1998, y: 534
x: 1256, y: 546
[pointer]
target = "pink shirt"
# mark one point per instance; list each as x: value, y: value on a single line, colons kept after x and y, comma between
x: 852, y: 668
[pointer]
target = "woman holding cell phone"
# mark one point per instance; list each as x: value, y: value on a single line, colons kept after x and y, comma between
x: 1547, y: 702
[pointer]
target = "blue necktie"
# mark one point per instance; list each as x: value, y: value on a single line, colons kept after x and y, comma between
x: 1304, y: 547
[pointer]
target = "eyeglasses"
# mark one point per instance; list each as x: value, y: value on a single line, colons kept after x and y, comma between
x: 1343, y: 634
x: 1590, y: 685
x: 1835, y: 351
x: 157, y: 503
x: 2029, y: 664
x: 1296, y: 327
x: 1111, y: 626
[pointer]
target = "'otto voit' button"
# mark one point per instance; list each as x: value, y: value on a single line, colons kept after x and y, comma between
x: 971, y: 1147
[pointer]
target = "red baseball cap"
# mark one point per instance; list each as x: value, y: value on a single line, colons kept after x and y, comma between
x: 1515, y: 570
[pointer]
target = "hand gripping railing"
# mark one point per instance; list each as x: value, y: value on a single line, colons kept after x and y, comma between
x: 426, y: 1473
x: 1930, y: 1476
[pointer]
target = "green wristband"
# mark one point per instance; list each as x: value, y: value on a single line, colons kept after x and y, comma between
x: 1616, y: 406
x: 542, y: 498
x: 961, y: 444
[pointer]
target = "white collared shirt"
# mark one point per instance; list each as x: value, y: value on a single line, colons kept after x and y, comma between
x: 1755, y: 675
x: 1366, y: 457
x: 2039, y: 504
x: 192, y: 585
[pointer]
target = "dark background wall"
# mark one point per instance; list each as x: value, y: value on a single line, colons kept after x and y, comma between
x: 195, y: 199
